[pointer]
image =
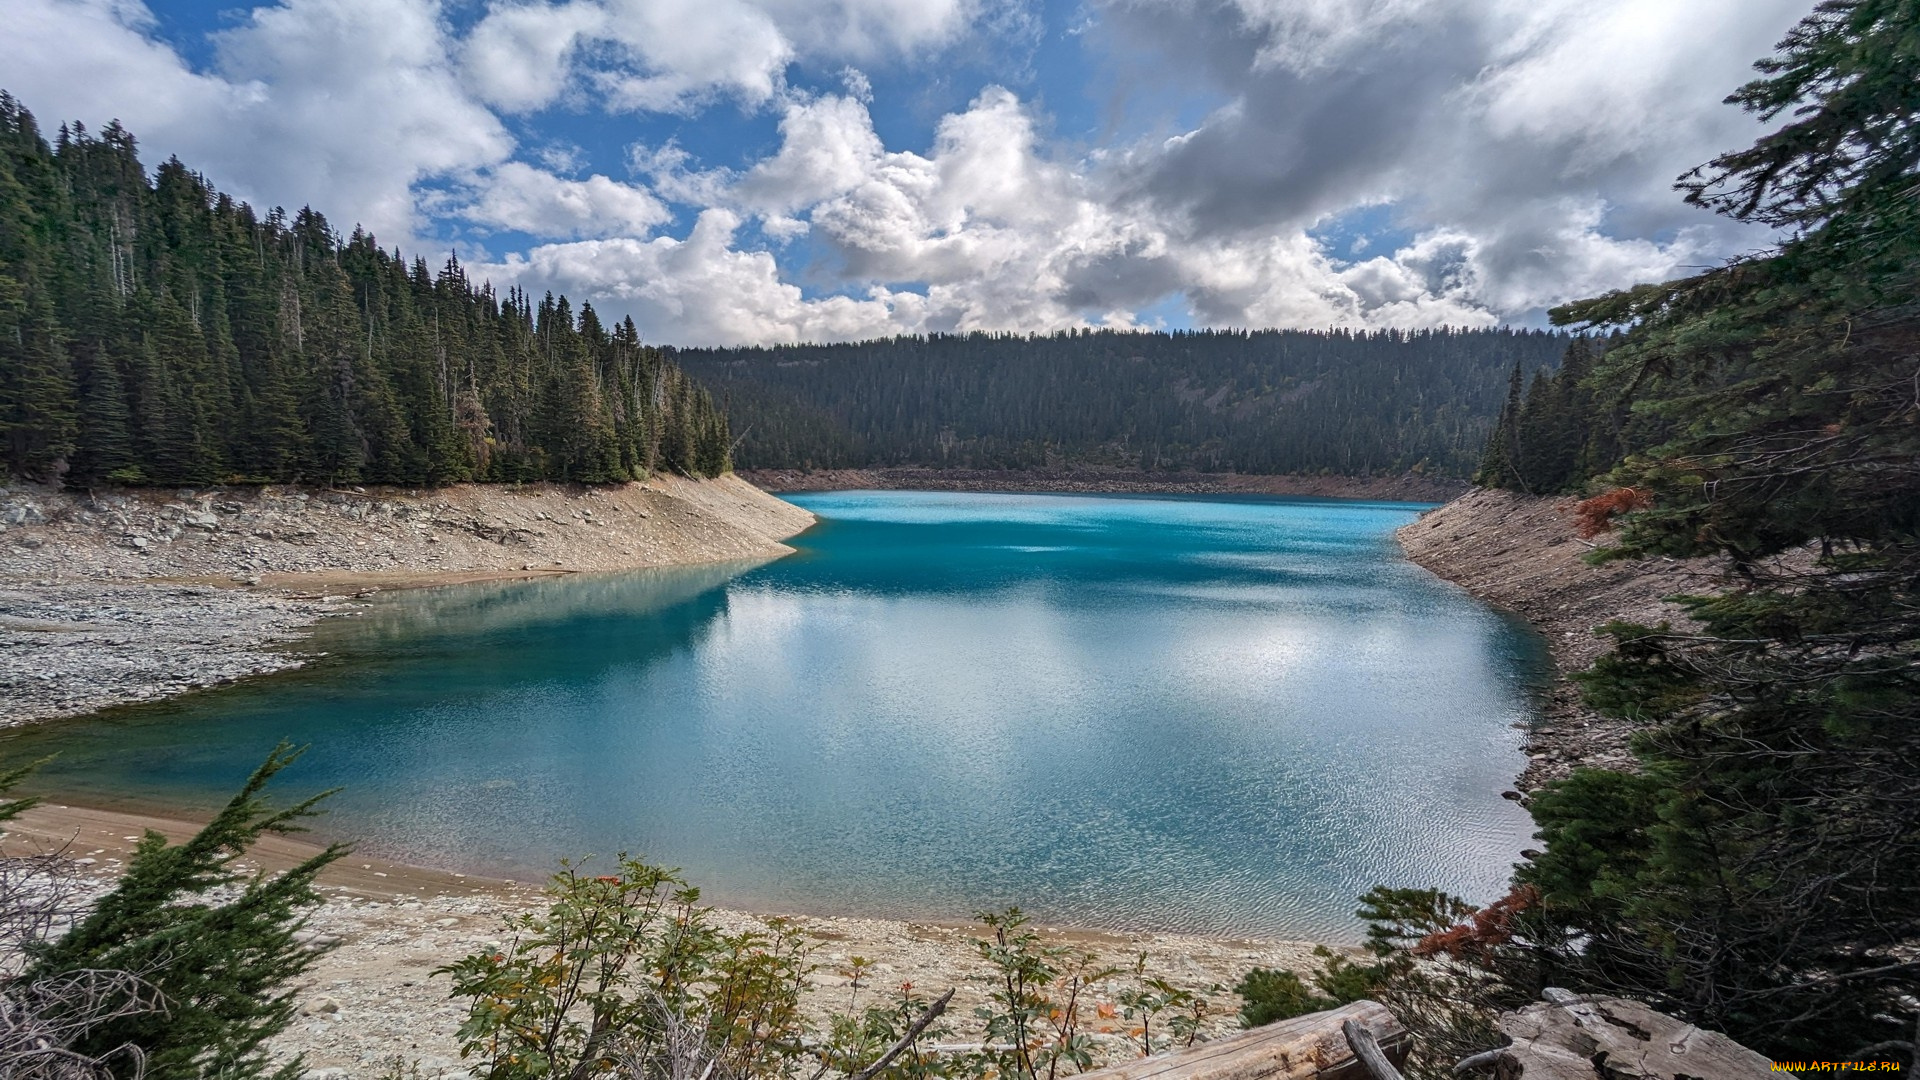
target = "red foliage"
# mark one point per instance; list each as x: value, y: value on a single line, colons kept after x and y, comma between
x: 1491, y: 927
x: 1591, y: 517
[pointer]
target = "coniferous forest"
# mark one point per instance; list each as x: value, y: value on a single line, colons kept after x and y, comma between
x: 1270, y: 401
x: 156, y: 331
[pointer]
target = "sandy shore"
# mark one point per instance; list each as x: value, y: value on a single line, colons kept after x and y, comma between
x: 373, y: 999
x: 121, y: 597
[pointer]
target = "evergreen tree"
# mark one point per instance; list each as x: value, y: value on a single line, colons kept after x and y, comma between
x: 223, y: 965
x: 1497, y: 461
x: 1556, y: 436
x: 156, y: 331
x: 37, y: 414
x: 105, y: 427
x: 1760, y: 873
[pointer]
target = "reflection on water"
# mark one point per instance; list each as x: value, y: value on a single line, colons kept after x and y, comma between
x: 1196, y: 714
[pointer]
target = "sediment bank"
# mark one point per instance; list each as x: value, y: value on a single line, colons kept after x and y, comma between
x: 1521, y: 552
x: 1404, y: 488
x: 118, y: 597
x: 373, y: 999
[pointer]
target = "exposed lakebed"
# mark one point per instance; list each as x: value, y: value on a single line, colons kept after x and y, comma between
x: 1195, y: 714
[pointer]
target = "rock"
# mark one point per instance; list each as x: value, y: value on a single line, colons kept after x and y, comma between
x: 23, y: 514
x: 322, y: 1006
x: 137, y: 543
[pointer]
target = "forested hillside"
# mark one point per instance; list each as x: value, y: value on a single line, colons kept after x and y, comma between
x: 155, y: 331
x: 1269, y: 401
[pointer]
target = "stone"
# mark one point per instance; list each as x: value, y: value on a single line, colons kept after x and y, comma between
x: 137, y: 543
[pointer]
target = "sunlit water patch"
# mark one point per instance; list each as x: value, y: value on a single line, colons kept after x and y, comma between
x: 1145, y: 713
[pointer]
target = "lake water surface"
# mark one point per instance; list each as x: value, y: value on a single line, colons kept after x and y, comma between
x: 1211, y: 715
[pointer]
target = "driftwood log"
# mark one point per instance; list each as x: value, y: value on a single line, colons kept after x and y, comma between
x: 1574, y: 1038
x: 1303, y: 1048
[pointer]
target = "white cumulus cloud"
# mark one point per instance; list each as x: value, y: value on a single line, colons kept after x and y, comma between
x: 1522, y: 151
x: 519, y: 197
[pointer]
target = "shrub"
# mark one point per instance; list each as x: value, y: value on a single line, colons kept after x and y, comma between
x: 1591, y: 517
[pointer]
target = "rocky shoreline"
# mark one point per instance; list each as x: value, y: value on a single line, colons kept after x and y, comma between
x: 118, y: 597
x: 1521, y: 553
x: 68, y: 648
x: 1089, y: 481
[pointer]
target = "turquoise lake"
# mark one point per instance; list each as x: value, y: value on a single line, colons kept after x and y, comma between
x: 1224, y: 716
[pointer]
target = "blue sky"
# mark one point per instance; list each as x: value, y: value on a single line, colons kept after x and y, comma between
x: 765, y: 170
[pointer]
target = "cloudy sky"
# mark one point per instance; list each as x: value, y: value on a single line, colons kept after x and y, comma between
x: 734, y: 171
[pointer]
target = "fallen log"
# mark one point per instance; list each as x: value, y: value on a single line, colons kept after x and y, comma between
x: 1569, y: 1037
x: 1307, y: 1047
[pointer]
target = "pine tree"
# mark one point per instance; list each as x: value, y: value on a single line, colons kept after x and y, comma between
x: 1499, y: 461
x: 1761, y: 873
x: 105, y: 427
x: 223, y: 965
x: 37, y: 415
x: 156, y: 331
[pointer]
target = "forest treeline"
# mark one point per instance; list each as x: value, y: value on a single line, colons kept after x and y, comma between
x: 156, y: 331
x: 1272, y: 401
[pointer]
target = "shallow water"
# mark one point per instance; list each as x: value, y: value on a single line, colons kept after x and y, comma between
x: 1210, y: 715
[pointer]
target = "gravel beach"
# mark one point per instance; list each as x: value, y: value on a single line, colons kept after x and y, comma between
x: 373, y: 999
x: 116, y: 598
